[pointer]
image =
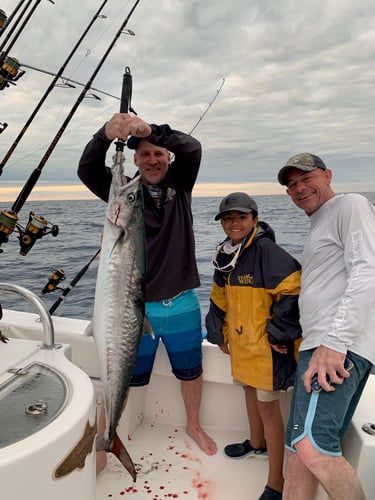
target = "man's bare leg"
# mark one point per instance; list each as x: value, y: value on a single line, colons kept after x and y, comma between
x: 192, y: 393
x: 335, y: 474
x: 300, y: 483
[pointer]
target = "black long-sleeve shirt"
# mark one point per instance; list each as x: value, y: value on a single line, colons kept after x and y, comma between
x: 170, y: 240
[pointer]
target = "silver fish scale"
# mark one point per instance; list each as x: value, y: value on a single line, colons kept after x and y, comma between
x: 119, y: 296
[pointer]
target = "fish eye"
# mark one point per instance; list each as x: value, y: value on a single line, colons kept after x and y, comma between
x: 131, y: 197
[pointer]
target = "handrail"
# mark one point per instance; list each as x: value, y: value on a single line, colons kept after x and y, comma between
x: 45, y: 317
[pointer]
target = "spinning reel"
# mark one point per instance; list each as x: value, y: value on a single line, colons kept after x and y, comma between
x: 35, y: 229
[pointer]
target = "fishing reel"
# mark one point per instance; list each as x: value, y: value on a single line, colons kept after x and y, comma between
x: 35, y: 229
x: 8, y: 222
x: 3, y: 19
x: 53, y: 281
x: 9, y: 72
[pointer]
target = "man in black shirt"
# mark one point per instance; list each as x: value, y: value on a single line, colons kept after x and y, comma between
x: 172, y: 274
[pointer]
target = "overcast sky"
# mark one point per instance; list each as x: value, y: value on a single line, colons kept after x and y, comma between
x: 299, y: 75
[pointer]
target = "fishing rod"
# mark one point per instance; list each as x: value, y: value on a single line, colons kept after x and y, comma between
x: 9, y: 66
x: 68, y: 82
x: 49, y: 90
x: 8, y: 20
x: 206, y: 110
x: 5, y: 20
x: 16, y: 22
x: 125, y: 106
x: 28, y: 187
x: 22, y: 27
x: 8, y: 219
x: 59, y: 275
x: 3, y: 23
x: 208, y: 107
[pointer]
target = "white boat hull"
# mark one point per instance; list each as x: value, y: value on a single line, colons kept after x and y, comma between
x: 169, y: 463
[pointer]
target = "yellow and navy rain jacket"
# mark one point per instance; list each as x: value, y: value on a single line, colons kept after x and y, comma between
x: 256, y: 305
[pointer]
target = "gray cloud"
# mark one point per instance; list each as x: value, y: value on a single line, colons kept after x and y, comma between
x: 299, y: 76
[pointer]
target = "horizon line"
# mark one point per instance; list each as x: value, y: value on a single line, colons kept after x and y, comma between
x: 81, y: 192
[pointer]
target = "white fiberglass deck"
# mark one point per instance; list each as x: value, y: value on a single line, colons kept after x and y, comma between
x: 170, y: 465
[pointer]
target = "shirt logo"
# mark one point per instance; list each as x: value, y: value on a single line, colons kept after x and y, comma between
x: 246, y: 279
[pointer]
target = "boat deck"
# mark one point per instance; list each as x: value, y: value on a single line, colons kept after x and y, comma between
x: 170, y: 465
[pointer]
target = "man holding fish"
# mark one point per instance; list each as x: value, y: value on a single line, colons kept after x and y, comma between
x: 171, y: 302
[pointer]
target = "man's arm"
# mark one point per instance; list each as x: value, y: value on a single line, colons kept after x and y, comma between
x: 187, y: 154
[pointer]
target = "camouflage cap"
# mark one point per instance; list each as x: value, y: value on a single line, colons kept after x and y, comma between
x: 302, y: 161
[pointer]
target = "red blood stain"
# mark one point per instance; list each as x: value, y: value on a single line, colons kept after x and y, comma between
x: 131, y: 489
x: 188, y: 445
x: 205, y: 488
x: 191, y: 458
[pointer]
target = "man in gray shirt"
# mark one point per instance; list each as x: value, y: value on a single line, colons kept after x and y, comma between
x: 337, y: 316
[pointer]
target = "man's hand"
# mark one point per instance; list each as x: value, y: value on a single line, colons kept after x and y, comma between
x: 121, y: 125
x: 328, y: 365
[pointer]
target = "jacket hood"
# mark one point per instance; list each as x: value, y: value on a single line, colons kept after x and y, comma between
x: 265, y: 230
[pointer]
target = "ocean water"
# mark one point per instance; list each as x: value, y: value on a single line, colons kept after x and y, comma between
x: 80, y: 226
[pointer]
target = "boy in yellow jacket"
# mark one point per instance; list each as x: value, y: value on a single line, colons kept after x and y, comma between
x: 254, y: 318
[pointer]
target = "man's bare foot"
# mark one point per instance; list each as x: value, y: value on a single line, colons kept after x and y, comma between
x: 101, y: 461
x: 204, y: 441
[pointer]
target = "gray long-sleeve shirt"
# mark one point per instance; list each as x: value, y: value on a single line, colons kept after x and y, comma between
x: 337, y: 300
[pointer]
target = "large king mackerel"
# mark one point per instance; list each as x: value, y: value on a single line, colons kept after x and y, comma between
x: 119, y: 302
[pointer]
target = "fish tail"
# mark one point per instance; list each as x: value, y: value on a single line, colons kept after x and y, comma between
x: 119, y: 450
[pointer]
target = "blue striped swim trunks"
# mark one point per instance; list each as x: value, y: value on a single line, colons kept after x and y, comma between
x: 177, y: 323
